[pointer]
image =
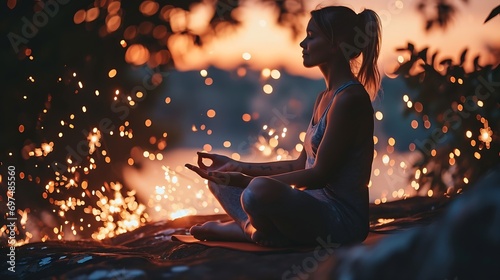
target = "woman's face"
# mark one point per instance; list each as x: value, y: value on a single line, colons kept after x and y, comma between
x: 316, y: 48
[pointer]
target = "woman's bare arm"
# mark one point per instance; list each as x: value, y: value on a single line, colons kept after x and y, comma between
x: 223, y: 163
x: 272, y: 168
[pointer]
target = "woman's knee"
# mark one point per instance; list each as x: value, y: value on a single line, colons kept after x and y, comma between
x: 262, y: 192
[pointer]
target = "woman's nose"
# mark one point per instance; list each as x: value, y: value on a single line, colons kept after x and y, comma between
x: 302, y: 44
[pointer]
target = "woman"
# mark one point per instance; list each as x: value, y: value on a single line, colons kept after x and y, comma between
x: 324, y: 192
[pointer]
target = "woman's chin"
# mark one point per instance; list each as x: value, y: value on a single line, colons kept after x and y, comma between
x: 307, y: 65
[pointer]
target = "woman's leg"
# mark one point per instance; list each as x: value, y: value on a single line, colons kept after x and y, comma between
x: 279, y: 212
x: 268, y: 212
x: 229, y: 198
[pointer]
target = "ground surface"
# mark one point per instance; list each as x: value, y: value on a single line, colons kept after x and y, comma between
x: 149, y: 253
x: 428, y: 238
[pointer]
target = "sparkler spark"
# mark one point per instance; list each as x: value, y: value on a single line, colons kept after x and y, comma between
x: 93, y: 139
x: 485, y: 135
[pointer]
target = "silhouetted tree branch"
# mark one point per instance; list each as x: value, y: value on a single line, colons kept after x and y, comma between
x: 437, y: 13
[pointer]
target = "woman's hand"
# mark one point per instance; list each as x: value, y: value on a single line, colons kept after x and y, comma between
x: 219, y: 163
x: 235, y: 179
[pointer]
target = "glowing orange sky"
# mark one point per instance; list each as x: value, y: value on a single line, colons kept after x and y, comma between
x: 272, y: 46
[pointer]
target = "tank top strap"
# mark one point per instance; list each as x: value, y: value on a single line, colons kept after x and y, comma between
x: 341, y: 88
x: 344, y: 86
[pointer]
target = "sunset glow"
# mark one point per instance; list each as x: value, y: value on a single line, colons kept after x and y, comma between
x: 273, y: 46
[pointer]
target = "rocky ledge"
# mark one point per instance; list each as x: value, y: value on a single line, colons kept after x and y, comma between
x: 429, y: 238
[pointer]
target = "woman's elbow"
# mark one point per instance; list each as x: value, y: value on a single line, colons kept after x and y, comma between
x: 320, y: 176
x: 299, y: 163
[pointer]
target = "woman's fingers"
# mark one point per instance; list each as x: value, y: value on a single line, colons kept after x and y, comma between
x: 200, y: 162
x: 205, y: 155
x: 199, y: 171
x: 203, y: 174
x: 202, y: 156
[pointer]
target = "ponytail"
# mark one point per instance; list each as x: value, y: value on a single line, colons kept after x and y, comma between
x: 368, y: 74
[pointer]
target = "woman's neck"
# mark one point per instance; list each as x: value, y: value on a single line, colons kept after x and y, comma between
x: 336, y: 73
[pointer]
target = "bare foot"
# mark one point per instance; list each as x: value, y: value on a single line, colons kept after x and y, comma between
x: 212, y: 230
x: 264, y: 239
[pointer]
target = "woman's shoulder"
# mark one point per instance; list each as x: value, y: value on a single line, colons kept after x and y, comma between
x: 354, y: 96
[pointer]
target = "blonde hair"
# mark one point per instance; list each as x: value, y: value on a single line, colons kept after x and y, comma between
x: 356, y: 35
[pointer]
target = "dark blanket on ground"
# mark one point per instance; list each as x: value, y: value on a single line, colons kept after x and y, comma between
x: 430, y: 238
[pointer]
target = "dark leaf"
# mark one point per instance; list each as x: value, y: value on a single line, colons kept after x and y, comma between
x: 411, y: 47
x: 433, y: 59
x: 463, y: 56
x: 423, y: 54
x: 445, y: 13
x: 404, y: 68
x: 446, y: 61
x: 476, y: 63
x: 493, y: 13
x: 428, y: 68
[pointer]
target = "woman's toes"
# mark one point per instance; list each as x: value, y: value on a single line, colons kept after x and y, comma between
x: 199, y: 230
x: 214, y: 230
x: 194, y: 229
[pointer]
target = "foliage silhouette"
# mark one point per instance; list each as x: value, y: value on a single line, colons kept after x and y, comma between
x: 461, y: 108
